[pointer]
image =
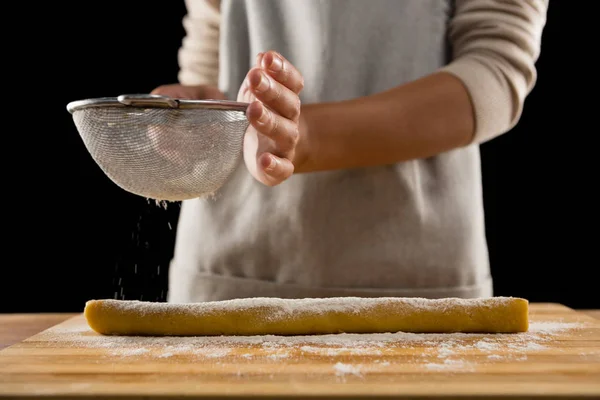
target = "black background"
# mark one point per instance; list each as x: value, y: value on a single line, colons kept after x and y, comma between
x: 72, y: 235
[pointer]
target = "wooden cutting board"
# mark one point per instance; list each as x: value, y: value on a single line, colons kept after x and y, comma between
x: 558, y: 357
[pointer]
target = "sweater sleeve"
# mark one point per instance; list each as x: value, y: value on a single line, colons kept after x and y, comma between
x: 198, y: 55
x: 496, y: 44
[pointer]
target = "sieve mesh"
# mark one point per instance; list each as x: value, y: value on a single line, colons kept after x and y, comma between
x: 163, y: 153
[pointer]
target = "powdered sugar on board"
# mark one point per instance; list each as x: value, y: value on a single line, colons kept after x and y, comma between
x: 342, y: 369
x: 350, y: 356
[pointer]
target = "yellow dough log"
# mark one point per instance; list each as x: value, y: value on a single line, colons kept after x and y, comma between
x: 271, y: 316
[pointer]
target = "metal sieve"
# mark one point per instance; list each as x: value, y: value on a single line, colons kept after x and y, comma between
x: 162, y: 148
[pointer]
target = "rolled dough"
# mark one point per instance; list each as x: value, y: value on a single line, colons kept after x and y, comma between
x: 273, y: 316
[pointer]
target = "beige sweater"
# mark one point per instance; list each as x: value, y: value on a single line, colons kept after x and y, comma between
x: 412, y: 229
x: 495, y: 43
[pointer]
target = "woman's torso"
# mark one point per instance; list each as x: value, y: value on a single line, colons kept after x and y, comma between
x: 410, y: 229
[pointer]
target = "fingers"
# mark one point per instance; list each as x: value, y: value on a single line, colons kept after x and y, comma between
x: 275, y: 169
x: 272, y: 88
x: 259, y: 58
x: 168, y: 90
x: 273, y: 94
x: 279, y: 129
x: 282, y: 70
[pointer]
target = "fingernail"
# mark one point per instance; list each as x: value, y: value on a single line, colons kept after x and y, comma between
x: 262, y: 118
x: 276, y: 64
x: 263, y: 84
x: 271, y: 164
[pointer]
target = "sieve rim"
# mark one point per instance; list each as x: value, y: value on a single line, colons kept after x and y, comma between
x: 225, y: 105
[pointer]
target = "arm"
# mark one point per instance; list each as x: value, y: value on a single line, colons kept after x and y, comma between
x: 198, y: 55
x: 475, y: 98
x: 417, y: 120
x: 199, y: 52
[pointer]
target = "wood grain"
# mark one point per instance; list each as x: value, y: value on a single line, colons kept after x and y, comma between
x: 71, y: 361
x: 592, y: 313
x: 17, y: 327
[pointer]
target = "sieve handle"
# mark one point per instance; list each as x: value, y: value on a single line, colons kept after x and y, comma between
x: 153, y: 100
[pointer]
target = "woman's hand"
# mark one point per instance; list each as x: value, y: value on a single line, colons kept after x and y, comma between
x: 199, y: 92
x: 270, y: 142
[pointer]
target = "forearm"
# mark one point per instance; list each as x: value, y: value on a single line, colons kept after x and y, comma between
x: 473, y: 99
x: 416, y: 120
x: 198, y: 56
